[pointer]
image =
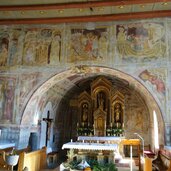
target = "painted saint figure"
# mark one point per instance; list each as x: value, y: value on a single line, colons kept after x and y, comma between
x: 3, y: 55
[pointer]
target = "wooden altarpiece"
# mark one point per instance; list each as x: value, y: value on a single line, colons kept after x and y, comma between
x: 101, y: 108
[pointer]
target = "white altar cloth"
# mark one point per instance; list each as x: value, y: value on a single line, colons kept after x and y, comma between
x: 89, y: 146
x: 95, y: 138
x: 5, y: 144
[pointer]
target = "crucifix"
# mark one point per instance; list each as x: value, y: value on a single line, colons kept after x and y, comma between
x: 48, y: 121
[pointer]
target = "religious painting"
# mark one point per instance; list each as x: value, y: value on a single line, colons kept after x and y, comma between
x: 42, y: 46
x: 88, y: 45
x: 27, y: 83
x: 15, y: 55
x: 4, y: 47
x: 7, y: 93
x: 135, y: 120
x: 55, y: 47
x: 154, y: 79
x: 30, y: 46
x: 141, y: 41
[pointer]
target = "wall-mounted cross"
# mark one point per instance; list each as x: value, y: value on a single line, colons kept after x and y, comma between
x: 48, y: 121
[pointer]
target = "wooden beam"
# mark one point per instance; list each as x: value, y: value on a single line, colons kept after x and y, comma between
x: 93, y: 18
x: 77, y: 5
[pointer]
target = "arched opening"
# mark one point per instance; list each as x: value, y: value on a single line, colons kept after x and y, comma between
x: 62, y: 88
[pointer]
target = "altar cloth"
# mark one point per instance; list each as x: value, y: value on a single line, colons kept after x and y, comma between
x: 89, y: 146
x: 5, y: 144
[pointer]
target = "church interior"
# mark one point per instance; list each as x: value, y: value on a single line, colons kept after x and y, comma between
x: 85, y: 85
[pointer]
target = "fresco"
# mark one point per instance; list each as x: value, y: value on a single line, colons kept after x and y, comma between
x: 141, y: 41
x: 15, y: 50
x: 135, y: 120
x: 42, y: 46
x: 27, y: 83
x: 88, y: 44
x: 4, y: 46
x: 154, y: 79
x: 7, y: 93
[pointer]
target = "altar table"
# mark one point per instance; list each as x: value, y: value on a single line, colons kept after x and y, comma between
x: 89, y: 146
x: 95, y: 150
x: 5, y: 144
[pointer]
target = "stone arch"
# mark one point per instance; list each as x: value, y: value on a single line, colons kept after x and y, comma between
x: 33, y: 104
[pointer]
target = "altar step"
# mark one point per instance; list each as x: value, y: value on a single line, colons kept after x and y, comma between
x: 125, y: 163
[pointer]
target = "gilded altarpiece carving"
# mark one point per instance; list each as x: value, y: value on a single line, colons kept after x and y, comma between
x: 100, y: 109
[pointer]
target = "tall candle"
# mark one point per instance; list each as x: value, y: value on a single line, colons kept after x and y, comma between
x: 117, y: 124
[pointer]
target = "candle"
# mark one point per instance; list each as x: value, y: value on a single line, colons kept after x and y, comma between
x: 71, y: 140
x: 123, y: 125
x: 111, y: 124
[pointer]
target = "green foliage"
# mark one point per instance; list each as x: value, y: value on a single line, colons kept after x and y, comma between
x: 12, y: 153
x: 105, y: 167
x: 74, y: 164
x: 95, y: 166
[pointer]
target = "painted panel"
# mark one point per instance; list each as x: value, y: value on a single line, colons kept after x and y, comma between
x: 88, y: 45
x: 4, y: 46
x: 7, y: 93
x: 141, y: 42
x: 42, y: 46
x: 15, y: 50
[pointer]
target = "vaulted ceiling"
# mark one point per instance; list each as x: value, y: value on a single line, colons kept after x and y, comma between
x: 59, y: 11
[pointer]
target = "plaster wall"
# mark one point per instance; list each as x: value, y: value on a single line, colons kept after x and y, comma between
x: 31, y: 54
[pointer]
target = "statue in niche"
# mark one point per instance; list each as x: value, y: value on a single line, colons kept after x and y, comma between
x: 101, y: 100
x: 85, y: 112
x: 100, y: 124
x: 118, y: 114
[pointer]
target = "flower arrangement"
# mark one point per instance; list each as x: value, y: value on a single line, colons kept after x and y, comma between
x: 91, y: 164
x: 12, y: 158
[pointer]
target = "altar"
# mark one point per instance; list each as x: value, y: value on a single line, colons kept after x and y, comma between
x: 104, y: 149
x: 100, y: 124
x: 101, y: 152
